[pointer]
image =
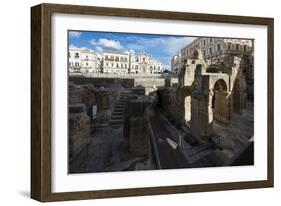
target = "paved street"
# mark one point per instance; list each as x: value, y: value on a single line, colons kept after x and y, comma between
x: 169, y: 152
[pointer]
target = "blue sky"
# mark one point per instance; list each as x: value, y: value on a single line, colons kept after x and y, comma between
x: 162, y: 47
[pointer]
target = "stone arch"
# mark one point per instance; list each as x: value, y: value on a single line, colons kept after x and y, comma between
x: 221, y: 102
x: 220, y: 85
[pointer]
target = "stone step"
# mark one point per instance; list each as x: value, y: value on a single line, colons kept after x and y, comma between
x: 116, y: 122
x: 105, y: 125
x: 117, y: 113
x: 120, y: 103
x: 113, y: 117
x: 119, y: 110
x: 116, y: 126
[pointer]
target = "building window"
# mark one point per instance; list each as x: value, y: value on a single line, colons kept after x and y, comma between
x: 237, y: 47
x: 211, y: 39
x: 245, y: 48
x: 87, y: 64
x: 218, y: 47
x: 204, y: 53
x: 76, y: 55
x: 210, y: 50
x: 229, y: 46
x: 112, y: 64
x: 69, y: 54
x: 143, y: 59
x: 204, y: 42
x: 106, y: 64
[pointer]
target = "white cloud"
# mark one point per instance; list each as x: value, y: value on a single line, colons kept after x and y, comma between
x: 174, y: 45
x: 107, y: 43
x: 73, y: 46
x: 74, y: 34
x: 98, y: 48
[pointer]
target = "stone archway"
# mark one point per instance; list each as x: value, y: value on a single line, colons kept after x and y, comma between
x: 221, y: 102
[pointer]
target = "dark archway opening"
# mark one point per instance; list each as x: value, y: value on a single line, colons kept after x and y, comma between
x: 220, y: 102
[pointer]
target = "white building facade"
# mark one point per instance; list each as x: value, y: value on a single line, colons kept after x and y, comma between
x: 85, y: 61
x: 134, y: 64
x: 75, y: 60
x: 149, y: 65
x: 115, y: 62
x: 215, y: 49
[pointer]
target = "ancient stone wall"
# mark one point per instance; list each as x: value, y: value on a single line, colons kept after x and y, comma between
x: 147, y: 82
x: 79, y: 137
x: 102, y: 82
x: 85, y: 94
x: 104, y: 98
x: 174, y: 103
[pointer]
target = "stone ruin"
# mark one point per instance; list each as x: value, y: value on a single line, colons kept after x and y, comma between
x: 79, y: 136
x: 136, y: 131
x: 206, y: 92
x: 81, y: 100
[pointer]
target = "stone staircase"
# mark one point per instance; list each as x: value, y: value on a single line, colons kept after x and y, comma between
x: 117, y: 117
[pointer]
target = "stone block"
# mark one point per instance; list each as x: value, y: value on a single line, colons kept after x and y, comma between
x: 79, y: 136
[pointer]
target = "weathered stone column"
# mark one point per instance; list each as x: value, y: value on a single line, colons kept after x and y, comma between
x: 136, y: 133
x: 201, y: 120
x: 104, y: 109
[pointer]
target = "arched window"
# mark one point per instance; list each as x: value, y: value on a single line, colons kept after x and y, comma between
x: 220, y: 85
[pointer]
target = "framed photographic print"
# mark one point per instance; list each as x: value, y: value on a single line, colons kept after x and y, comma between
x: 129, y: 102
